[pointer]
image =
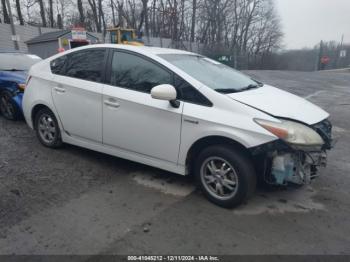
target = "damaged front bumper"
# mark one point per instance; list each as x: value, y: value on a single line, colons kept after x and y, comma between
x: 296, y: 167
x: 281, y: 164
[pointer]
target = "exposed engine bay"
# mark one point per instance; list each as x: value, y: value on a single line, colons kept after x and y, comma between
x: 283, y: 164
x: 296, y: 167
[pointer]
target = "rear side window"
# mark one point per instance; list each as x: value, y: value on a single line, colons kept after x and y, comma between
x: 136, y: 73
x: 86, y: 64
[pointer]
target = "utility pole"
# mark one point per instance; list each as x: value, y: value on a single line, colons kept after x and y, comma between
x: 320, y: 54
x: 342, y: 41
x: 13, y: 29
x: 340, y: 48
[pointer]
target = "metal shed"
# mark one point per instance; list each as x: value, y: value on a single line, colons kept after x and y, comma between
x: 48, y: 44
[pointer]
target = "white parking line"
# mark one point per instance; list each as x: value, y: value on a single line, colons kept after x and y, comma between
x: 165, y: 184
x: 314, y: 94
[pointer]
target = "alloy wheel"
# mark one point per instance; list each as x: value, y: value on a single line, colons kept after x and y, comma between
x: 47, y: 129
x: 219, y: 178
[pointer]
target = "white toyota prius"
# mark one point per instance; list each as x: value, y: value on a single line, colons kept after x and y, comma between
x: 178, y: 111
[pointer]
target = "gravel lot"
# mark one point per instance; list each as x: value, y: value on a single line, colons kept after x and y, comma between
x: 75, y: 201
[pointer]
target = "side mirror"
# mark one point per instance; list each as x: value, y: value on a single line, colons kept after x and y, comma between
x: 164, y: 92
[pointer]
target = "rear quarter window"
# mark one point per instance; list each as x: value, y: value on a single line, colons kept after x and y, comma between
x: 57, y: 65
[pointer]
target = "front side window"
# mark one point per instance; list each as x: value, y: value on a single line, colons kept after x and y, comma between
x: 136, y: 73
x: 86, y: 64
x: 188, y: 93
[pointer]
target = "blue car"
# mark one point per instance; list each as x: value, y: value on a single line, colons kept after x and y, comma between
x: 14, y: 68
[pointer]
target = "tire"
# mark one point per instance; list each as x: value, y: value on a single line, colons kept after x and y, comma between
x: 8, y: 107
x: 47, y: 128
x: 232, y: 170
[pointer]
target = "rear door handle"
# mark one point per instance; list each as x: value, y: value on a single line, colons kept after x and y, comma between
x: 59, y: 89
x: 112, y: 103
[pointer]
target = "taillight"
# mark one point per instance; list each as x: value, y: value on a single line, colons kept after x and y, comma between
x: 21, y: 87
x: 28, y: 79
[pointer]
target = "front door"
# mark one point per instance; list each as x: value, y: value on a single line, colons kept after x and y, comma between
x: 132, y: 120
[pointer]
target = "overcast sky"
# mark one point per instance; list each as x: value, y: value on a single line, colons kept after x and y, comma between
x: 307, y: 22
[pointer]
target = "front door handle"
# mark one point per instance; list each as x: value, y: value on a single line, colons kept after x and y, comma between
x: 112, y: 103
x: 59, y: 89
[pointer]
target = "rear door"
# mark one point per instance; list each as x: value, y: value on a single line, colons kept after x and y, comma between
x: 77, y: 92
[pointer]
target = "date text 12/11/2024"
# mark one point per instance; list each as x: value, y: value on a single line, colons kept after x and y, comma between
x: 173, y: 258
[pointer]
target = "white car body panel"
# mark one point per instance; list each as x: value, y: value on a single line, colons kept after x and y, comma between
x: 79, y: 107
x: 224, y: 119
x: 118, y: 152
x: 280, y: 103
x: 41, y: 95
x: 141, y: 124
x: 134, y: 126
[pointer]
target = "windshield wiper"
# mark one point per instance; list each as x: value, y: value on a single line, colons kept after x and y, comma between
x: 13, y: 69
x: 251, y: 86
x: 227, y: 90
x: 232, y: 90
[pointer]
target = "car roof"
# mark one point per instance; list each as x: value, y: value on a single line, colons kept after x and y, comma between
x: 140, y: 49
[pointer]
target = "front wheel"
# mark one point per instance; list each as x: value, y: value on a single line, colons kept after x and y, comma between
x: 225, y: 175
x: 47, y: 129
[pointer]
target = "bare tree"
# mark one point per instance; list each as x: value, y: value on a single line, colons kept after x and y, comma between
x: 193, y: 24
x: 120, y: 9
x: 113, y: 12
x: 153, y: 26
x: 51, y: 19
x: 59, y: 21
x: 42, y: 12
x: 246, y: 31
x: 145, y: 16
x: 96, y: 17
x: 19, y: 12
x: 5, y: 13
x: 64, y: 8
x: 81, y: 12
x: 29, y: 16
x: 102, y: 20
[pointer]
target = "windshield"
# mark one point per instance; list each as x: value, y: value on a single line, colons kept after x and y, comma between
x: 17, y: 61
x: 213, y: 74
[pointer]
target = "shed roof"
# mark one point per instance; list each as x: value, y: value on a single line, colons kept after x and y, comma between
x: 51, y: 36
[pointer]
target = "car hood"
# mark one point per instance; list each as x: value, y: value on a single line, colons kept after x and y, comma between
x: 16, y: 76
x: 279, y: 103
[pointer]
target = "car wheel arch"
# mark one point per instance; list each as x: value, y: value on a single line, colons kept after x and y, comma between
x: 204, y: 142
x: 36, y: 109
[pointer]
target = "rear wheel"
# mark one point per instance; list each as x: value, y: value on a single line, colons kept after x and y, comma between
x: 8, y: 107
x: 226, y: 176
x: 47, y: 129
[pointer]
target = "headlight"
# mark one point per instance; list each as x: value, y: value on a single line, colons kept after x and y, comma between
x: 292, y: 132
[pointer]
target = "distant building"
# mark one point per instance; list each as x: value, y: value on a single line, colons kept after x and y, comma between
x: 49, y: 44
